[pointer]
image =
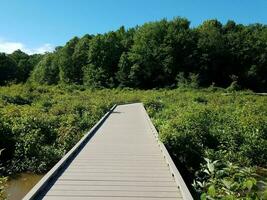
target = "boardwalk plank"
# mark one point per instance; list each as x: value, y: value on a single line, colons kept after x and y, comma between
x: 105, y: 198
x: 136, y: 188
x: 161, y: 185
x: 113, y: 193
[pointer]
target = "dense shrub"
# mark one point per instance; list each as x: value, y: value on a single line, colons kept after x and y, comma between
x: 38, y: 125
x: 226, y: 181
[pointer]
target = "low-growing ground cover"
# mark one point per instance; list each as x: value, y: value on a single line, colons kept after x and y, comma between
x: 218, y: 141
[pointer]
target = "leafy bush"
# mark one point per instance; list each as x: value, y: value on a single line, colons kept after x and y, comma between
x: 220, y: 180
x: 16, y: 100
x: 154, y: 106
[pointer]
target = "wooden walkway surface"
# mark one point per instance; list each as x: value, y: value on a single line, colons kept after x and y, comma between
x: 123, y: 161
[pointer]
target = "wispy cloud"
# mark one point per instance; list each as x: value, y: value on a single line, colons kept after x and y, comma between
x: 44, y: 48
x: 10, y: 47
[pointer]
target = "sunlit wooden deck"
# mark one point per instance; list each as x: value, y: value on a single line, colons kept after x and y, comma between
x: 120, y: 158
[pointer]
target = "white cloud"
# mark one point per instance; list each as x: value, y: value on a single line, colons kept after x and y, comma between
x: 10, y: 47
x: 44, y: 48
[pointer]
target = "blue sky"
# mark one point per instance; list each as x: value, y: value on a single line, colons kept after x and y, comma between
x: 40, y: 25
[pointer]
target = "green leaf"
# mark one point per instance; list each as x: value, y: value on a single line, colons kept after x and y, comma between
x: 211, y: 166
x: 264, y: 195
x: 249, y: 183
x: 212, y: 191
x: 207, y: 160
x: 227, y: 183
x: 203, y: 196
x: 207, y: 171
x: 230, y: 197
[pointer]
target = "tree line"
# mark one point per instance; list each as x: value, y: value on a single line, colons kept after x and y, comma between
x: 154, y: 55
x: 17, y: 67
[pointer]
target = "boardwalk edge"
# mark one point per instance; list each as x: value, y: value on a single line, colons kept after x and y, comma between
x: 176, y: 174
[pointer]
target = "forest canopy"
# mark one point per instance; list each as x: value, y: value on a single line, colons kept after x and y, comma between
x: 155, y: 55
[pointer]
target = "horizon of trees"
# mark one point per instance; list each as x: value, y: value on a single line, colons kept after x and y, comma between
x: 154, y: 55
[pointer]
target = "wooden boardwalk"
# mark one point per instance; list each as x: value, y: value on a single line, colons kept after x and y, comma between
x: 123, y: 160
